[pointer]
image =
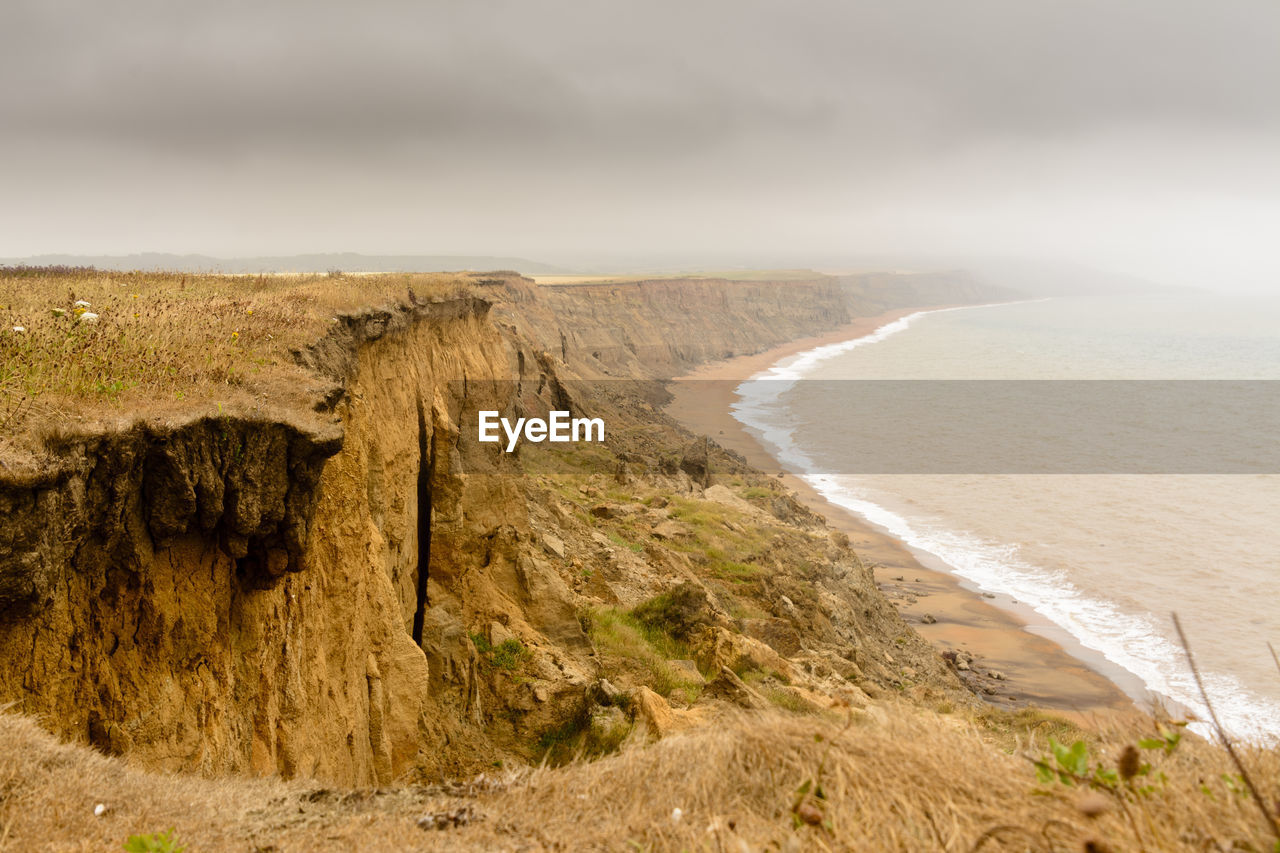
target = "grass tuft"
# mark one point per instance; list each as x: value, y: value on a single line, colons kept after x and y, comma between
x: 641, y: 651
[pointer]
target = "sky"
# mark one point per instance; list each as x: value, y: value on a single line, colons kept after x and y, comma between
x: 1140, y: 136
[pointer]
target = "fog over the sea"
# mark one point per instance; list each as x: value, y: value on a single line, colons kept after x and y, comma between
x: 1142, y: 136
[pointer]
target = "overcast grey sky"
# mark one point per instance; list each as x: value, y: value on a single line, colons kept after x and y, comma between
x: 1142, y: 136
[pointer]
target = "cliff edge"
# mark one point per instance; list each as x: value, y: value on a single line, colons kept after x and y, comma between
x: 355, y: 593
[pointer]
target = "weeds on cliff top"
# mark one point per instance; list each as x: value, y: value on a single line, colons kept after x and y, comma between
x: 157, y: 338
x: 1074, y: 765
x: 155, y: 842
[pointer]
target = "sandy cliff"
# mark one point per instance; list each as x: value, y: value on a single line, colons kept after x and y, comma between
x: 322, y: 597
x: 665, y: 326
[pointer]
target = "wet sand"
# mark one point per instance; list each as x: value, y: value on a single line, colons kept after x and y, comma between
x: 1042, y: 664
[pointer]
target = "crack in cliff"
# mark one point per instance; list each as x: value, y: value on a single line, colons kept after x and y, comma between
x: 426, y: 467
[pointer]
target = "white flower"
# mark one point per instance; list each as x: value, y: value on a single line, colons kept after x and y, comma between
x: 676, y: 814
x: 19, y: 329
x: 100, y: 809
x: 88, y: 317
x: 80, y: 303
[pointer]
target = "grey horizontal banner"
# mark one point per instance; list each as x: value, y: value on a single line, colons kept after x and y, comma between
x: 1019, y: 427
x: 908, y: 427
x: 937, y: 426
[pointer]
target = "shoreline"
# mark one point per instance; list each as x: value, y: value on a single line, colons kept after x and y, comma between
x: 1043, y: 665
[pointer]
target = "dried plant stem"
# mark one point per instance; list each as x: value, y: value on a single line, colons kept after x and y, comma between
x: 995, y: 832
x: 1222, y: 733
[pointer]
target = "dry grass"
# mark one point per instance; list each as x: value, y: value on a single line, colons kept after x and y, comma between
x: 165, y: 338
x: 896, y: 779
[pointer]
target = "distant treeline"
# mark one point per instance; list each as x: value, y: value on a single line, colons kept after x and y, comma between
x: 43, y: 271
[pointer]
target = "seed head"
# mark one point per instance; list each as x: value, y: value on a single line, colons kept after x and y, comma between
x: 1130, y: 763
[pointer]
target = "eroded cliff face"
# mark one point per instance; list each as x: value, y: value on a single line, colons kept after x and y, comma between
x: 232, y: 595
x: 659, y: 327
x: 306, y: 598
x: 662, y: 328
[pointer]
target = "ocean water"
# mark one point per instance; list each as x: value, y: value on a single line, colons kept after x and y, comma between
x: 1107, y: 557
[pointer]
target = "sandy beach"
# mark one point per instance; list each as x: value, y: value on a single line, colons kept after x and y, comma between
x: 1041, y: 663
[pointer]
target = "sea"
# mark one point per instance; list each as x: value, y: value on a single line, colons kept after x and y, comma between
x: 1097, y: 550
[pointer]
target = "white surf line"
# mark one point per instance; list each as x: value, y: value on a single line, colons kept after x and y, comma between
x: 1132, y: 641
x: 795, y: 366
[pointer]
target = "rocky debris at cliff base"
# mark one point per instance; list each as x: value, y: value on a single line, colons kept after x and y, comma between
x: 670, y: 530
x: 500, y: 634
x: 717, y: 648
x: 688, y: 670
x: 729, y: 687
x: 604, y: 693
x: 554, y: 544
x: 607, y: 725
x: 727, y: 497
x: 958, y: 659
x: 778, y: 634
x: 803, y: 599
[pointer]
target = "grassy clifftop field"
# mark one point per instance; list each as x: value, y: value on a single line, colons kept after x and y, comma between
x: 82, y: 343
x: 903, y: 780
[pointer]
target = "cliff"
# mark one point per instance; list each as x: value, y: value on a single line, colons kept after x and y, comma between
x: 663, y: 327
x: 354, y: 594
